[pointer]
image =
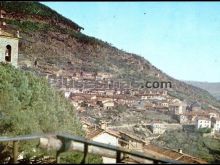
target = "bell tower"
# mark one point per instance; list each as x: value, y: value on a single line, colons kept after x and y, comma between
x: 8, y: 43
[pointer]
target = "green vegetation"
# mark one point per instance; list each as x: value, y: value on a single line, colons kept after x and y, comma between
x: 76, y: 157
x: 30, y: 26
x: 192, y: 143
x: 35, y: 8
x: 196, y: 95
x: 158, y: 116
x: 121, y: 108
x: 204, y: 130
x: 178, y: 95
x: 28, y: 105
x: 205, y: 106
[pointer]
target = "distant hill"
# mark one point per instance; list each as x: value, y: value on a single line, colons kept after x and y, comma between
x: 58, y: 46
x: 213, y: 88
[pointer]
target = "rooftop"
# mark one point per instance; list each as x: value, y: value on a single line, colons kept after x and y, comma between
x: 172, y: 154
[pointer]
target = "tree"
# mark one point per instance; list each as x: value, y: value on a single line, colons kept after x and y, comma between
x: 28, y: 105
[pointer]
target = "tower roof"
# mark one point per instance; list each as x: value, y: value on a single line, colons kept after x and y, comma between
x: 6, y: 34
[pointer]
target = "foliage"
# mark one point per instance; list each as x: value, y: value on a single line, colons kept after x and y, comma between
x: 28, y: 105
x: 77, y: 157
x: 30, y: 26
x: 192, y: 143
x: 121, y: 108
x: 204, y: 130
x: 178, y: 95
x: 35, y: 8
x: 205, y: 106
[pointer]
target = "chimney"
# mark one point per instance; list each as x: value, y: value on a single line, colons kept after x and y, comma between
x: 103, y: 126
x: 180, y: 150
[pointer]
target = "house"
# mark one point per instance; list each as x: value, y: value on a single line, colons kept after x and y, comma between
x: 164, y: 92
x: 177, y: 107
x: 212, y: 114
x: 196, y: 106
x: 9, y: 48
x: 158, y: 128
x: 108, y: 104
x: 167, y: 153
x: 94, y: 97
x: 175, y: 100
x: 103, y: 76
x: 203, y: 122
x: 110, y: 92
x: 164, y: 104
x: 67, y: 94
x: 216, y: 124
x: 149, y: 105
x: 88, y: 76
x: 105, y: 136
x: 86, y: 125
x: 182, y: 118
x: 131, y: 142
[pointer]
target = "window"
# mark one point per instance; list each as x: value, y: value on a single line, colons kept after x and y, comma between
x: 8, y: 53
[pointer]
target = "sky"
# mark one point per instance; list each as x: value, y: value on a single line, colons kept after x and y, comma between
x: 180, y: 38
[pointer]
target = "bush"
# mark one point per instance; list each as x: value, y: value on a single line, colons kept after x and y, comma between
x: 204, y: 130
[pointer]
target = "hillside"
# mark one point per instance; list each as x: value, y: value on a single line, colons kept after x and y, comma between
x: 213, y: 88
x: 57, y: 45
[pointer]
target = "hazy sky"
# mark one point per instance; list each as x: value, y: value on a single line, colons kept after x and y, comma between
x: 180, y: 38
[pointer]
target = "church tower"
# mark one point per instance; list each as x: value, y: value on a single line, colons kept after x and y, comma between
x: 8, y: 43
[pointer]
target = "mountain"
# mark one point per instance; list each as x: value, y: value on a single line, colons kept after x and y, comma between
x: 213, y: 88
x: 60, y: 47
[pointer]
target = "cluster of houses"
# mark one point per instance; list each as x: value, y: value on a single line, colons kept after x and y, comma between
x: 193, y: 114
x: 104, y: 97
x: 101, y: 133
x: 108, y: 98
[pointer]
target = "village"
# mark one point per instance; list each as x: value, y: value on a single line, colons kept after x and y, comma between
x: 132, y: 117
x: 115, y: 112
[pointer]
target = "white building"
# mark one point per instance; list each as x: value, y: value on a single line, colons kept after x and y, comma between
x: 217, y: 126
x: 211, y: 114
x: 107, y: 104
x: 203, y: 122
x: 107, y: 137
x: 158, y: 128
x: 164, y: 104
x: 67, y: 94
